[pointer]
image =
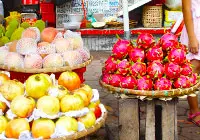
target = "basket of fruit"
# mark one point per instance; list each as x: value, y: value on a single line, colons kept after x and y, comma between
x: 148, y: 68
x: 33, y: 49
x: 46, y: 108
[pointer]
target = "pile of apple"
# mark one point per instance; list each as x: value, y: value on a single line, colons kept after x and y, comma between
x: 149, y: 65
x: 40, y: 93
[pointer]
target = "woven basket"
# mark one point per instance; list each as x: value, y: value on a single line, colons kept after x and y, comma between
x: 120, y: 25
x: 21, y: 74
x: 152, y: 16
x: 46, y: 70
x: 85, y: 132
x: 153, y: 94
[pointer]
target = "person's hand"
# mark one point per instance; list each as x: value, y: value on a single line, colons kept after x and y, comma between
x: 193, y: 45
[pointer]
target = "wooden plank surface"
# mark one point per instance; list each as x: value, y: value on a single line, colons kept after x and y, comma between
x: 150, y: 120
x: 128, y: 119
x: 169, y: 120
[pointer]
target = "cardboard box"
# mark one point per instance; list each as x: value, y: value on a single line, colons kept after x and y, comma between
x: 168, y: 24
x: 172, y: 15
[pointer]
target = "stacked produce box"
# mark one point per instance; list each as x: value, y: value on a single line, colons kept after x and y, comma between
x: 172, y: 12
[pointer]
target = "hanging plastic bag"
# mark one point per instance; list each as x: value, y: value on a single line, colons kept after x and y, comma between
x: 174, y: 4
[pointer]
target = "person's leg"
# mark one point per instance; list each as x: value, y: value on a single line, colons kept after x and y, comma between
x: 193, y: 101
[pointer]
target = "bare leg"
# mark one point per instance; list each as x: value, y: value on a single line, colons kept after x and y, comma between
x: 193, y: 101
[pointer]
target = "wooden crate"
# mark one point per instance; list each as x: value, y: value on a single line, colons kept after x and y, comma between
x: 160, y: 121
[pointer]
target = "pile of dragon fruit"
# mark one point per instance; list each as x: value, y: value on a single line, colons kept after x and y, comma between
x: 149, y: 65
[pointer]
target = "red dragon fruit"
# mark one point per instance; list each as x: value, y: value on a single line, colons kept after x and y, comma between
x: 144, y: 83
x: 177, y: 56
x: 183, y: 47
x: 115, y: 80
x: 123, y: 67
x: 121, y: 48
x: 168, y: 41
x: 193, y: 79
x: 155, y: 69
x: 106, y: 78
x: 145, y: 40
x: 154, y: 53
x: 128, y: 82
x: 172, y: 70
x: 163, y: 84
x: 182, y: 82
x: 110, y: 65
x: 186, y: 69
x: 137, y: 54
x: 138, y: 69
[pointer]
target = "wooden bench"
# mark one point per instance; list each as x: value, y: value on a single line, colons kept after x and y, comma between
x: 160, y: 121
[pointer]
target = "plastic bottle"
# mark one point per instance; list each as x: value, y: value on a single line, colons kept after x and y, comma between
x: 1, y: 8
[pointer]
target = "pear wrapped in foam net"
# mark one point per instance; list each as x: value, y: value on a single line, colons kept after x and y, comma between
x: 14, y: 60
x: 26, y: 46
x: 72, y: 58
x: 45, y: 48
x: 3, y: 53
x: 54, y: 60
x: 62, y: 45
x: 33, y: 61
x: 32, y: 32
x: 74, y: 38
x: 84, y: 53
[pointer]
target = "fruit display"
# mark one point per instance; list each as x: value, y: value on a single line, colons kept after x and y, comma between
x: 36, y: 48
x: 149, y: 65
x: 41, y: 108
x: 15, y: 28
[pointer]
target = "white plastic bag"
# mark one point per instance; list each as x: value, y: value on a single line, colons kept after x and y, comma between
x: 174, y: 4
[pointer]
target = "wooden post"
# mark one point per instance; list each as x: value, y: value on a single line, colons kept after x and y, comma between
x: 169, y: 120
x: 150, y: 120
x: 128, y: 119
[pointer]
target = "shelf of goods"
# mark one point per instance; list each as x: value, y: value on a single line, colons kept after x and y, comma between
x: 49, y: 108
x: 150, y: 69
x: 121, y: 31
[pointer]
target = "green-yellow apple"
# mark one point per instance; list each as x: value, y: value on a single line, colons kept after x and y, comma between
x: 88, y: 120
x: 83, y: 94
x: 71, y: 103
x: 3, y: 123
x: 69, y: 123
x: 22, y: 106
x: 15, y: 127
x: 49, y: 105
x: 43, y: 128
x: 37, y: 85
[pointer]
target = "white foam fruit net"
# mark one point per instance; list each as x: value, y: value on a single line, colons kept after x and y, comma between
x: 53, y: 60
x: 46, y: 49
x: 74, y: 38
x: 31, y: 32
x: 14, y: 60
x: 72, y: 58
x: 26, y: 46
x: 62, y: 45
x: 85, y: 53
x: 3, y: 54
x: 33, y: 61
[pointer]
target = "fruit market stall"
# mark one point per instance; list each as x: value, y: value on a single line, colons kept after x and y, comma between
x: 156, y: 72
x: 47, y: 108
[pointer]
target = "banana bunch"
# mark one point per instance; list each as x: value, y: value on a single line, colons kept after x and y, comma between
x: 13, y: 15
